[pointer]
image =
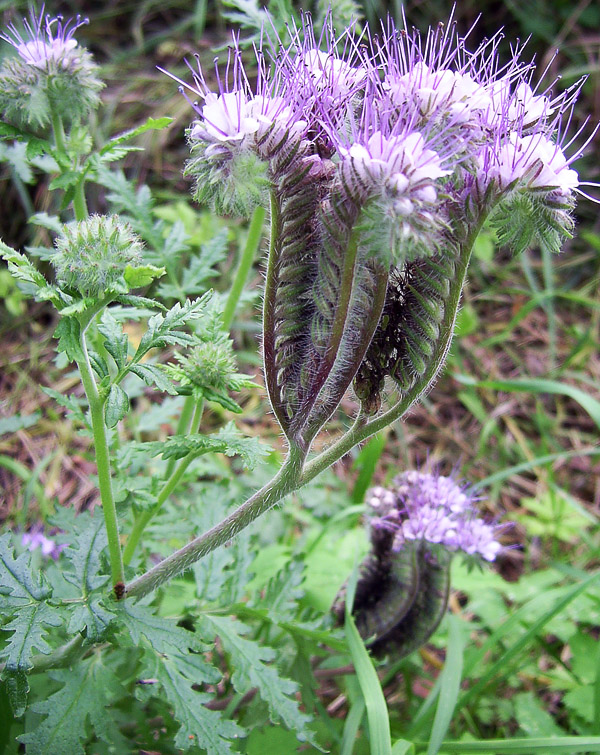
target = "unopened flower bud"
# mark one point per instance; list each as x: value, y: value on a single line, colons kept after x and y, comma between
x: 93, y: 256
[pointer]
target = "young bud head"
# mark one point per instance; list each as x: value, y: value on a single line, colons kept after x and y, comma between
x: 93, y: 256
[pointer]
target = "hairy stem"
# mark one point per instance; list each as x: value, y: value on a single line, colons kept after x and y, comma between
x: 252, y: 243
x: 337, y: 332
x: 284, y: 482
x: 96, y: 404
x: 363, y: 429
x: 294, y: 473
x: 172, y: 482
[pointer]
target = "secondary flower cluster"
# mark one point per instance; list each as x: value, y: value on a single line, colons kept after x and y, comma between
x: 434, y: 509
x: 51, y: 75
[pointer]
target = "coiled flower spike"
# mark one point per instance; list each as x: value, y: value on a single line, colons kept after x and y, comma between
x: 403, y: 587
x: 382, y: 159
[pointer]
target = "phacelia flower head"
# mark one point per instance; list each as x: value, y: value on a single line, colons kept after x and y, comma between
x: 51, y: 73
x: 530, y: 161
x: 379, y: 156
x: 46, y: 43
x: 433, y: 509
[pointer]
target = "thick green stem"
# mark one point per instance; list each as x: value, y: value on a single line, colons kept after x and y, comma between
x: 252, y: 243
x: 79, y: 202
x: 284, y: 482
x: 96, y: 404
x: 59, y: 133
x: 172, y: 481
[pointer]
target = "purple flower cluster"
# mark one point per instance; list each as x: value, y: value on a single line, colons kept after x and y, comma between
x: 46, y: 43
x: 432, y: 508
x: 398, y: 118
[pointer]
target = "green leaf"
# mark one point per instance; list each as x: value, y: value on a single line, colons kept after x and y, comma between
x: 142, y: 275
x: 89, y: 687
x: 172, y: 656
x: 84, y: 554
x: 18, y: 422
x: 16, y: 156
x: 21, y: 268
x: 115, y: 340
x: 117, y: 405
x: 18, y: 585
x: 167, y: 329
x: 153, y: 374
x: 283, y: 592
x: 73, y: 403
x: 533, y: 718
x: 51, y: 222
x: 25, y: 593
x: 65, y: 181
x: 200, y: 727
x: 222, y: 399
x: 139, y: 302
x: 152, y: 124
x: 28, y: 629
x: 68, y: 332
x: 162, y: 634
x: 227, y: 441
x: 250, y: 667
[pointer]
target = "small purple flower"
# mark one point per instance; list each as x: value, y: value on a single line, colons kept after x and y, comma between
x: 35, y: 539
x: 423, y: 507
x: 46, y: 43
x: 531, y: 161
x: 399, y: 165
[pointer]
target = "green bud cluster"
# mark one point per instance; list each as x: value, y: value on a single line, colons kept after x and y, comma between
x: 30, y: 95
x: 93, y: 255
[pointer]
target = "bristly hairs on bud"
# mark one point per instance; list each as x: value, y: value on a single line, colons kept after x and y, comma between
x: 93, y: 255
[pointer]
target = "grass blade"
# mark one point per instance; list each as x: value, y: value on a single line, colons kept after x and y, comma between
x: 525, y: 746
x: 450, y: 685
x: 377, y: 712
x: 351, y: 726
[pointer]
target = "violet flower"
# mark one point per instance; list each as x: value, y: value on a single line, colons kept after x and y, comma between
x: 35, y: 539
x: 430, y: 508
x: 380, y: 159
x: 46, y: 43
